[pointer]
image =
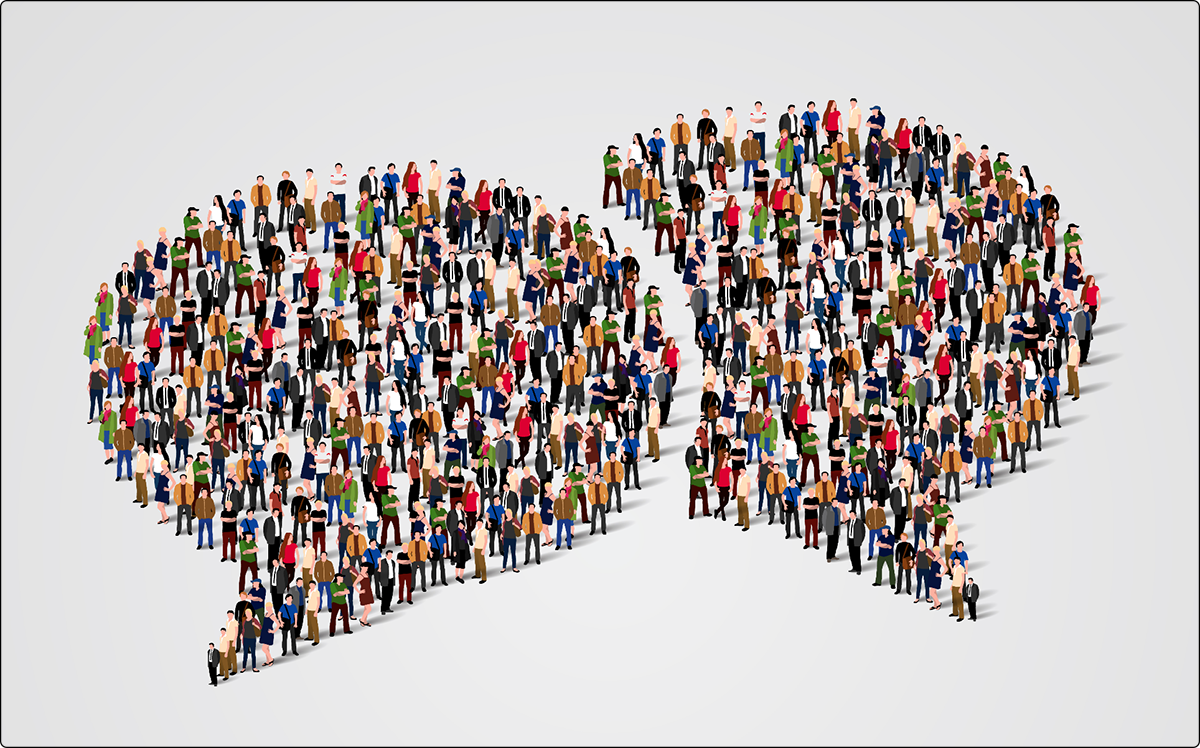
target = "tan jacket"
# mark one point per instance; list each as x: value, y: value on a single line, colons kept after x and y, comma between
x: 631, y: 179
x: 876, y: 518
x: 218, y: 325
x: 614, y: 472
x: 418, y: 550
x: 231, y: 251
x: 651, y: 188
x: 951, y: 461
x: 331, y: 212
x: 214, y: 360
x: 681, y: 134
x: 260, y: 196
x: 323, y: 571
x: 531, y: 523
x: 751, y: 150
x: 1033, y: 410
x: 193, y: 376
x: 1018, y: 431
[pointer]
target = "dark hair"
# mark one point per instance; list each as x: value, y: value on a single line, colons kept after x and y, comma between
x: 224, y: 212
x: 637, y: 136
x: 1028, y: 177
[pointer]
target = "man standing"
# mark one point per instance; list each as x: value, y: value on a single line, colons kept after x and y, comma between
x: 213, y: 658
x: 970, y: 593
x: 681, y: 135
x: 883, y: 548
x: 612, y: 175
x: 286, y: 192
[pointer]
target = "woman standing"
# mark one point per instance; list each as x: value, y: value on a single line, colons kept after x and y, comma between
x: 670, y: 361
x: 637, y: 151
x: 832, y: 121
x: 941, y: 292
x: 104, y: 307
x: 218, y: 213
x: 108, y: 427
x: 1072, y: 273
x: 535, y: 285
x: 266, y: 637
x: 313, y: 282
x: 524, y: 430
x: 365, y: 598
x: 248, y: 630
x: 339, y: 282
x: 887, y: 150
x: 966, y: 444
x: 412, y: 182
x: 933, y: 582
x: 903, y: 145
x: 365, y: 220
x: 719, y: 197
x: 1051, y: 250
x: 287, y: 556
x: 732, y: 218
x: 758, y: 222
x: 483, y: 203
x: 942, y: 366
x: 952, y: 230
x: 891, y: 445
x: 93, y: 339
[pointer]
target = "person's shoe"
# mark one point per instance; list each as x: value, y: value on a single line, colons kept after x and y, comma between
x: 177, y: 533
x: 877, y: 584
x: 745, y: 529
x: 315, y: 643
x: 198, y: 547
x: 806, y: 545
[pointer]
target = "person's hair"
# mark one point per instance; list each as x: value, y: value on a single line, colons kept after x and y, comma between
x: 1028, y: 177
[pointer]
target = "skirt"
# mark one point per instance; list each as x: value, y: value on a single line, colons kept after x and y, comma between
x: 365, y: 597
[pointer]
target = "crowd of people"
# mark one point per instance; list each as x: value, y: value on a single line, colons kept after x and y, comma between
x: 917, y: 403
x: 469, y: 360
x: 952, y: 356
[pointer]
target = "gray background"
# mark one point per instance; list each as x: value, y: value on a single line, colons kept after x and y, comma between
x: 116, y: 117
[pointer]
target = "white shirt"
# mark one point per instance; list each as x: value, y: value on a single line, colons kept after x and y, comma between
x: 370, y: 511
x: 839, y: 249
x: 338, y: 189
x: 214, y: 214
x: 718, y: 198
x: 394, y: 401
x: 418, y: 313
x: 758, y: 119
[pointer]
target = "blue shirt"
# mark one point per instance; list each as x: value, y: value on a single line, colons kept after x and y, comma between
x: 258, y: 467
x: 936, y: 175
x: 896, y: 236
x: 277, y: 396
x: 597, y: 391
x: 456, y: 185
x: 885, y: 545
x: 797, y: 152
x: 656, y: 146
x: 391, y: 181
x: 818, y: 369
x: 630, y: 446
x: 495, y: 512
x: 955, y: 332
x: 812, y: 119
x: 249, y: 525
x: 258, y: 597
x: 1050, y: 384
x: 146, y: 369
x: 236, y: 208
x: 643, y: 382
x: 1033, y: 206
x: 515, y: 236
x: 287, y: 612
x: 534, y: 394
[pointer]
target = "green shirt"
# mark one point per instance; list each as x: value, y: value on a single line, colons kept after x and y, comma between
x: 696, y: 470
x: 1001, y: 169
x: 906, y: 285
x: 885, y: 324
x: 808, y: 443
x: 649, y: 300
x: 241, y: 267
x: 663, y: 212
x: 390, y: 511
x: 554, y: 267
x: 758, y: 376
x: 233, y: 340
x: 825, y: 162
x: 610, y: 165
x: 940, y: 513
x: 1031, y: 266
x: 1071, y: 237
x: 408, y: 226
x: 973, y: 204
x: 858, y: 456
x: 191, y: 227
x: 197, y: 466
x: 179, y: 257
x: 486, y: 346
x: 338, y: 591
x: 249, y: 551
x: 581, y: 229
x: 610, y: 328
x: 338, y: 436
x: 465, y: 384
x: 438, y: 517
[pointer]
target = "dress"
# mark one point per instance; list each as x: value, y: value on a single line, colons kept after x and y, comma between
x: 653, y: 339
x: 162, y: 493
x: 966, y: 449
x: 1071, y: 276
x: 267, y: 636
x: 991, y: 209
x: 533, y: 287
x: 279, y: 318
x: 364, y: 592
x: 160, y: 256
x: 694, y: 270
x: 547, y: 510
x: 933, y: 581
x: 953, y: 224
x: 308, y: 470
x: 728, y: 405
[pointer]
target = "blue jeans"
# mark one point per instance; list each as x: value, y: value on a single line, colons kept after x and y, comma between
x: 571, y: 456
x: 114, y: 377
x: 250, y: 652
x: 740, y: 418
x: 337, y: 297
x: 559, y: 532
x: 213, y: 256
x: 791, y: 468
x: 990, y: 392
x: 420, y: 328
x: 205, y: 524
x: 920, y: 532
x: 761, y: 137
x: 962, y: 182
x: 322, y: 412
x: 320, y: 481
x: 543, y: 243
x: 341, y: 201
x: 791, y: 327
x: 181, y: 450
x: 818, y: 311
x: 102, y: 320
x: 848, y: 236
x: 871, y: 538
x: 165, y: 322
x: 776, y: 381
x: 354, y: 444
x: 372, y: 389
x: 372, y: 530
x: 297, y: 286
x: 907, y: 331
x: 947, y: 439
x: 125, y: 328
x: 718, y: 224
x: 748, y: 168
x: 885, y: 167
x: 324, y: 592
x: 971, y: 271
x: 95, y: 403
x: 979, y: 463
x: 753, y: 442
x: 126, y: 456
x: 631, y: 197
x: 922, y: 288
x: 329, y: 229
x: 921, y: 579
x: 551, y: 332
x: 487, y: 395
x: 509, y: 547
x: 466, y: 233
x: 839, y: 268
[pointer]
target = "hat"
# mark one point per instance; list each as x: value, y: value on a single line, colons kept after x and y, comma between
x: 192, y: 208
x: 252, y: 581
x: 455, y: 169
x: 875, y: 108
x: 886, y: 527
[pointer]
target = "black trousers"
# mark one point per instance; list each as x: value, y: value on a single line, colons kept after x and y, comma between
x: 904, y: 579
x: 791, y: 518
x: 856, y: 557
x: 533, y: 541
x: 971, y: 608
x: 386, y: 596
x: 212, y: 670
x: 290, y: 632
x: 599, y: 510
x: 831, y: 544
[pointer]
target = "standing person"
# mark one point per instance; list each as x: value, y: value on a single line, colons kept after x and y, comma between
x: 883, y: 554
x: 212, y: 658
x: 970, y: 594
